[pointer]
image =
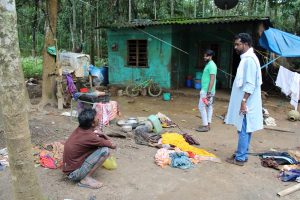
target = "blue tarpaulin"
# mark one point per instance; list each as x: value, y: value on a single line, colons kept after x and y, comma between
x: 282, y: 43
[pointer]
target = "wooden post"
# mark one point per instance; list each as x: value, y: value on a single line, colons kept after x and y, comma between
x: 289, y: 190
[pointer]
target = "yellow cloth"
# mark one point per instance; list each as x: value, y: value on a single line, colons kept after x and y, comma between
x: 178, y: 141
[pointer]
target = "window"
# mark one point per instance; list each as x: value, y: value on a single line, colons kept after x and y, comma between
x: 137, y: 53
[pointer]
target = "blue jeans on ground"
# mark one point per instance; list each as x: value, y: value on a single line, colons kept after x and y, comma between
x: 243, y: 143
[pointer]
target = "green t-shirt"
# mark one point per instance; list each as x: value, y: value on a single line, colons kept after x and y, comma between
x: 210, y: 68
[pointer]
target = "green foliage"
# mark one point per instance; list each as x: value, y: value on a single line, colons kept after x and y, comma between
x: 100, y: 62
x: 285, y: 15
x: 32, y: 67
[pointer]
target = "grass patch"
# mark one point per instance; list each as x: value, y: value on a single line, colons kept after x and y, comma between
x: 32, y: 67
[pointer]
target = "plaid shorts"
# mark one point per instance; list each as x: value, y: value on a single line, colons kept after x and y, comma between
x: 88, y: 164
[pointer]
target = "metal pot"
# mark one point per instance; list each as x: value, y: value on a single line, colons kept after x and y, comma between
x: 126, y: 128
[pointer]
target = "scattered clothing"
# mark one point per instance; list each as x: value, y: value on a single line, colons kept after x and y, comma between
x: 51, y: 155
x: 270, y: 121
x: 180, y: 160
x: 165, y: 121
x: 143, y: 137
x: 281, y: 158
x: 189, y: 139
x: 291, y: 175
x: 178, y: 141
x: 269, y: 162
x: 162, y: 157
x: 3, y: 158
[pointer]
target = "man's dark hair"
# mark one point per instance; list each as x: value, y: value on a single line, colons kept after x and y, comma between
x: 86, y: 118
x: 209, y: 52
x: 245, y: 38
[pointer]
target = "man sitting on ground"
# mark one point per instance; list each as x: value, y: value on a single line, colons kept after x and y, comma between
x: 86, y: 150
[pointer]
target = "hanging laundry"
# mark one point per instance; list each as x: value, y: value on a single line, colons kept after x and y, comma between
x: 289, y: 82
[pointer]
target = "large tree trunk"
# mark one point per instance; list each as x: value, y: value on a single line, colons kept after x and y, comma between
x: 14, y: 108
x: 48, y: 86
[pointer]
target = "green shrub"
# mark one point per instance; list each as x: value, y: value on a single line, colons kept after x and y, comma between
x: 32, y: 67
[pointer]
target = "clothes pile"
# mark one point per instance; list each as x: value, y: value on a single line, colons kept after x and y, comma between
x: 49, y: 155
x: 269, y: 121
x: 3, y: 159
x: 287, y: 162
x: 178, y: 153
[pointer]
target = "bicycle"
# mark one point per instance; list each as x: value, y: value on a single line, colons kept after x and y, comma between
x: 134, y: 89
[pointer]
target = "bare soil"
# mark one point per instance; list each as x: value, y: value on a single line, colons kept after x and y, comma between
x: 137, y: 176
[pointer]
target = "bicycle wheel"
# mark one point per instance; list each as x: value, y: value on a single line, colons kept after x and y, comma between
x: 132, y: 90
x: 154, y: 90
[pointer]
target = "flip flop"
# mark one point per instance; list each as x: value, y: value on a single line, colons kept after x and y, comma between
x: 88, y: 186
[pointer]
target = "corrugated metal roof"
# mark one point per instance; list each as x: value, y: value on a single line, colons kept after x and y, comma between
x: 187, y: 21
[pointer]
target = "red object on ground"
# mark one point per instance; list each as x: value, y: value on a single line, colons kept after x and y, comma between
x: 191, y: 154
x: 84, y: 90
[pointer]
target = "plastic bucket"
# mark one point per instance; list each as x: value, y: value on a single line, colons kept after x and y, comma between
x: 189, y: 83
x: 166, y: 96
x: 84, y: 90
x: 104, y: 72
x: 197, y: 85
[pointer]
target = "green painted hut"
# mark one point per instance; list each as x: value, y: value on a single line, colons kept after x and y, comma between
x: 171, y: 50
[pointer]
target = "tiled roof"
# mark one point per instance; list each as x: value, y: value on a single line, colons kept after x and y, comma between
x: 187, y: 21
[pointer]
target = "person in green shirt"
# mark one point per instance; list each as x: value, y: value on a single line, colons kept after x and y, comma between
x: 208, y: 91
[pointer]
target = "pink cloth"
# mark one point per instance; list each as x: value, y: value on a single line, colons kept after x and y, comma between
x: 106, y: 112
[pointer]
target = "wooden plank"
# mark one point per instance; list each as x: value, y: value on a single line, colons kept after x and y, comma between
x: 278, y: 129
x: 289, y: 190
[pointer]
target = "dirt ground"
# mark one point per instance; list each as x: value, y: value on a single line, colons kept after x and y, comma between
x: 137, y: 176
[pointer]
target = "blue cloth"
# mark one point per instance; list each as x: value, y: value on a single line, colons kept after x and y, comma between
x: 243, y: 143
x: 250, y: 85
x: 180, y: 160
x: 290, y: 175
x: 280, y: 42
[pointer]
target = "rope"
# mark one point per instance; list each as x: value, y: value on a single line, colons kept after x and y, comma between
x: 163, y: 41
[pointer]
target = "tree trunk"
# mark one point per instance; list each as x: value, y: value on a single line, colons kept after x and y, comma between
x: 48, y: 86
x: 129, y: 10
x: 74, y: 29
x: 34, y: 27
x: 154, y: 7
x: 195, y: 8
x: 98, y: 32
x: 92, y: 31
x: 203, y: 8
x: 266, y: 7
x: 172, y: 8
x: 14, y: 108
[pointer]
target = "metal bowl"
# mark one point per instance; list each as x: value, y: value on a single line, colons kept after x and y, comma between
x: 121, y: 122
x: 126, y: 128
